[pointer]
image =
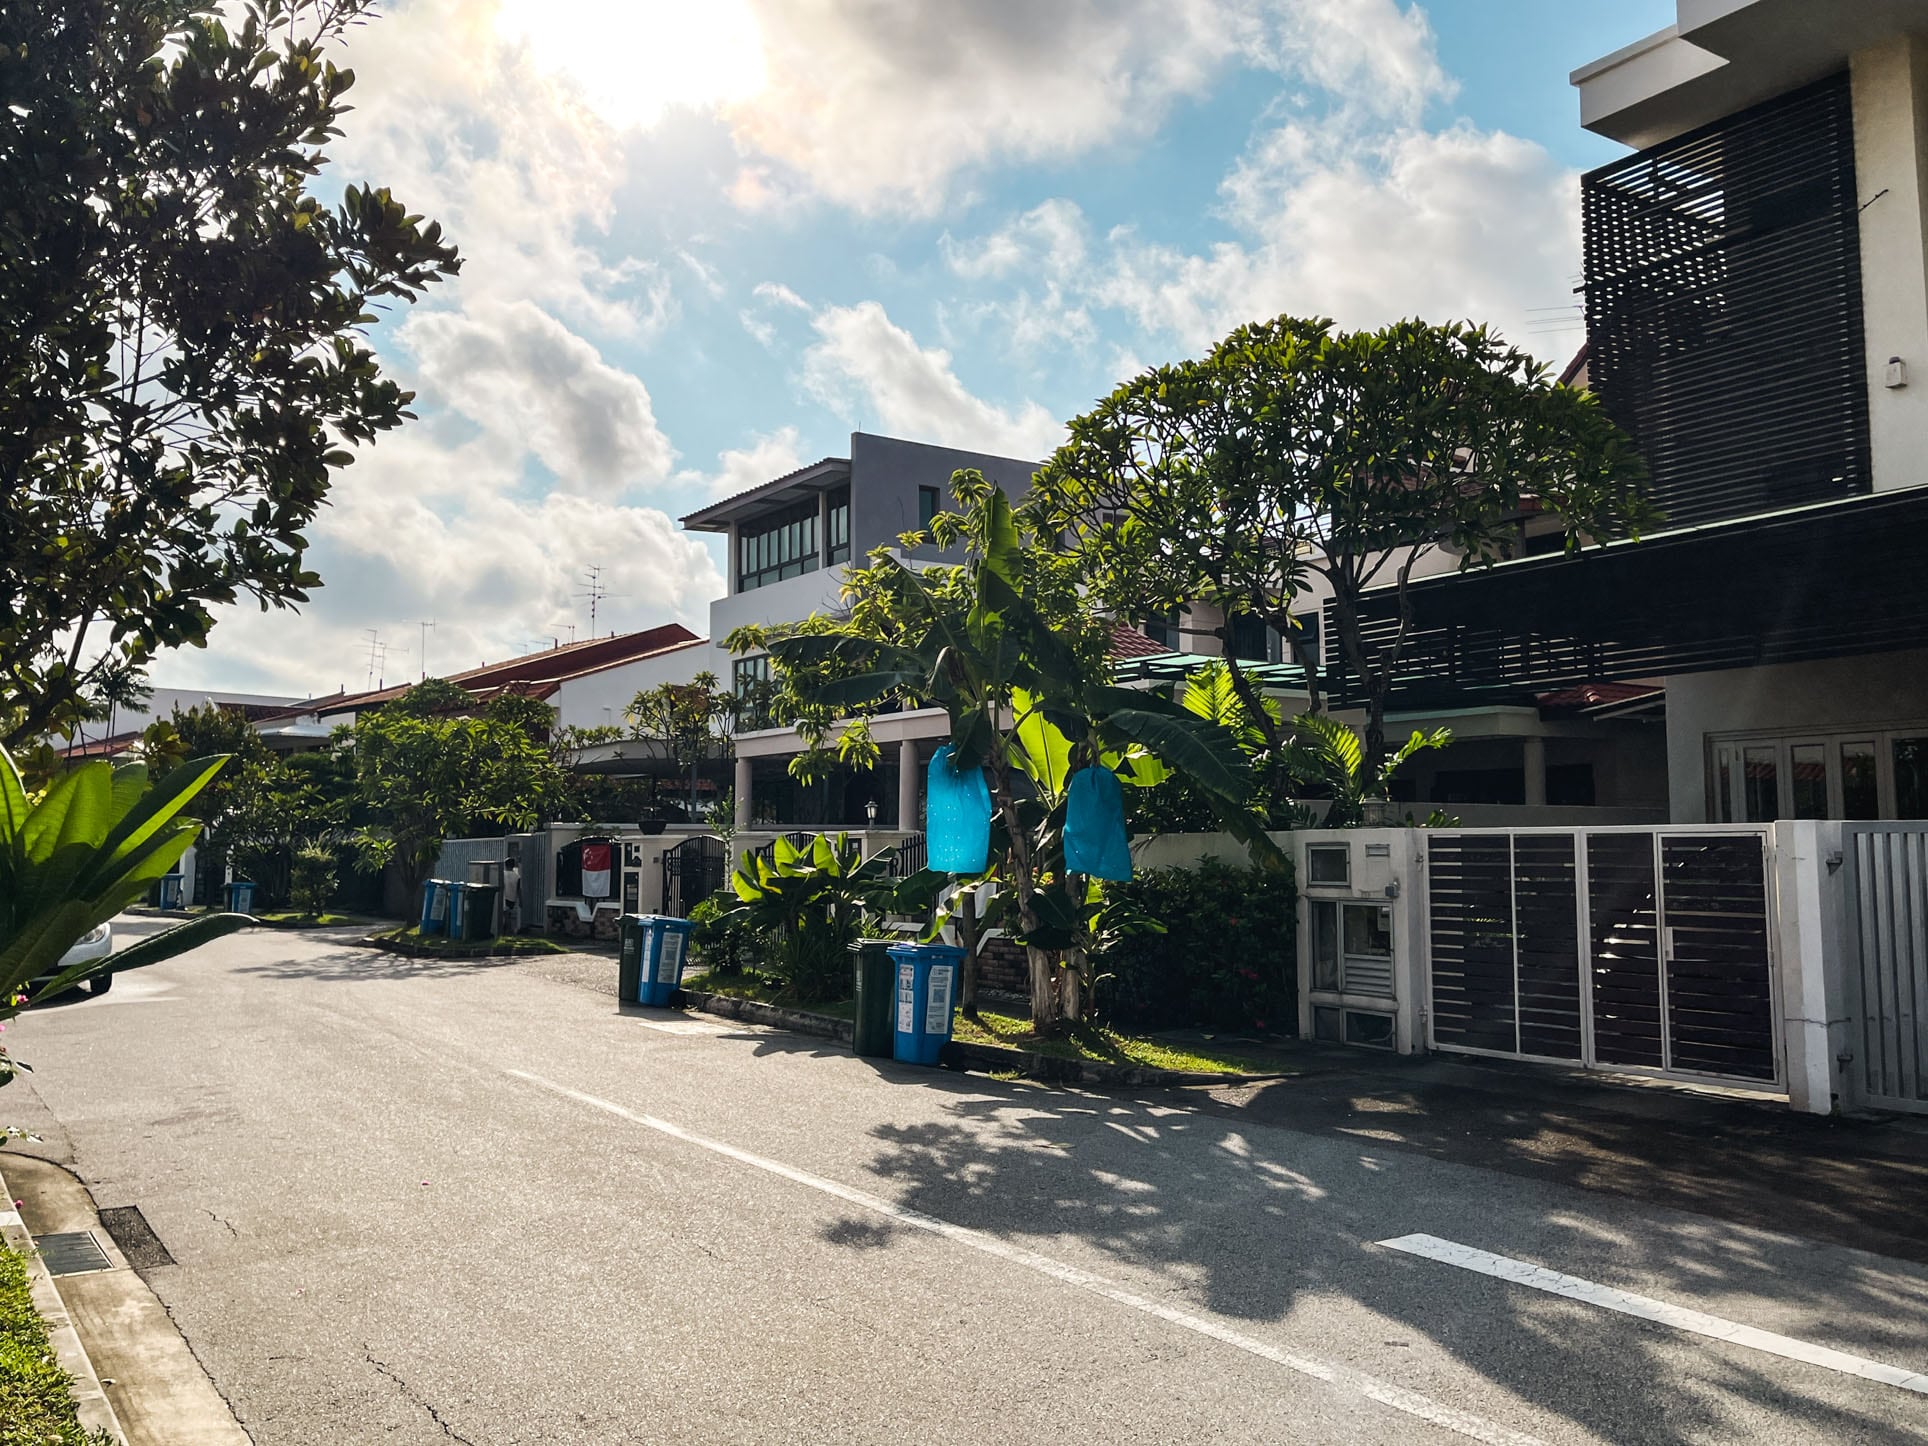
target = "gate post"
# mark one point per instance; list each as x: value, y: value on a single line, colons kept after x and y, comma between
x: 1809, y: 895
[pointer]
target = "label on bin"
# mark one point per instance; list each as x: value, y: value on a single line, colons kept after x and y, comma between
x: 937, y: 1017
x: 671, y: 959
x: 906, y: 998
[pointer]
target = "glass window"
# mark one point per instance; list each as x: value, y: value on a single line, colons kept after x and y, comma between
x: 1250, y: 638
x: 783, y: 544
x: 927, y: 505
x: 1763, y: 782
x: 1860, y: 789
x: 1325, y: 945
x: 1808, y: 773
x: 1368, y: 931
x: 1911, y: 777
x: 750, y: 681
x: 1305, y: 638
x: 837, y: 543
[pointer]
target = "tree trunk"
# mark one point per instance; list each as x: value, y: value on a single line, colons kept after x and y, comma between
x: 1045, y: 1016
x: 1074, y: 986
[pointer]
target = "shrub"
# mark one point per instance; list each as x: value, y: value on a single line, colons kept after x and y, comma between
x: 312, y: 879
x: 1227, y: 958
x: 724, y: 941
x: 809, y: 903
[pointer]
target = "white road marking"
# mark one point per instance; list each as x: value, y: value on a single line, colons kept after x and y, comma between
x: 1520, y: 1272
x: 1412, y: 1403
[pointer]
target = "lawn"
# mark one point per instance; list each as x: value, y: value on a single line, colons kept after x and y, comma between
x: 1090, y: 1043
x: 286, y: 919
x: 1096, y: 1045
x: 36, y: 1401
x: 412, y: 935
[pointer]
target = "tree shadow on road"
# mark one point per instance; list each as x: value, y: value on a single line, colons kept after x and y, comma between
x: 351, y: 963
x: 1258, y: 1224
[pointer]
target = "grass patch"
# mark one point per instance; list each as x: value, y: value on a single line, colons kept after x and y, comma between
x: 765, y: 989
x: 412, y: 935
x: 1105, y: 1046
x: 287, y: 919
x: 36, y: 1397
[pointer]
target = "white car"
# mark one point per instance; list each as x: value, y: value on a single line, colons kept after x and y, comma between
x: 96, y: 943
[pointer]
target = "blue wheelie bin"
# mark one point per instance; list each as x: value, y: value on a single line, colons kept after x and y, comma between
x: 435, y: 906
x: 666, y: 944
x: 241, y: 896
x: 172, y: 891
x: 926, y: 999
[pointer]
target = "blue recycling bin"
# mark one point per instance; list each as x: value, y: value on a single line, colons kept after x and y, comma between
x: 666, y: 944
x: 926, y: 999
x: 452, y: 917
x: 241, y: 896
x: 435, y: 906
x: 173, y: 891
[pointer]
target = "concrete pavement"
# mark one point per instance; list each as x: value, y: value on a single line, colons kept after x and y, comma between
x: 415, y: 1201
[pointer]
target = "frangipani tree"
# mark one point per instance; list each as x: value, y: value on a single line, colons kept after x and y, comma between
x: 94, y: 842
x: 1006, y: 644
x: 1296, y: 462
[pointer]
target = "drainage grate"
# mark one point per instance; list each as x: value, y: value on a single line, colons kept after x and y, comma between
x: 135, y: 1237
x: 71, y: 1252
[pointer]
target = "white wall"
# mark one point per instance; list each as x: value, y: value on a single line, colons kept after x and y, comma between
x: 1829, y: 696
x: 1891, y: 156
x: 599, y: 698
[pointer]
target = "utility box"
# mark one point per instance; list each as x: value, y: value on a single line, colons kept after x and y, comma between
x: 1361, y: 980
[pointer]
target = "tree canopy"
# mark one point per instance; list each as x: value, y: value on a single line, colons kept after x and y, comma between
x: 183, y: 361
x: 1296, y: 462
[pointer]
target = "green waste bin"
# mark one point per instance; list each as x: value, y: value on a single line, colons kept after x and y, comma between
x: 876, y: 995
x: 478, y: 910
x: 633, y: 937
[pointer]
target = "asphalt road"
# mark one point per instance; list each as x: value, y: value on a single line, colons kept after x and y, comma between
x: 414, y: 1202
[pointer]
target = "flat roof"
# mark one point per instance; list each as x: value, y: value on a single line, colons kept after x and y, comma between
x: 791, y: 486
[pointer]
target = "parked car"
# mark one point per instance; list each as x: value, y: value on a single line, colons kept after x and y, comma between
x: 96, y: 943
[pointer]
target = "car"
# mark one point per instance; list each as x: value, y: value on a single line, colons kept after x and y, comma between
x: 96, y: 943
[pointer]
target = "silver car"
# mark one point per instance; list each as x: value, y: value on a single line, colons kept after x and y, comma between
x: 96, y: 943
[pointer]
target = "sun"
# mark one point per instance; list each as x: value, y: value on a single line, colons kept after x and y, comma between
x: 634, y: 59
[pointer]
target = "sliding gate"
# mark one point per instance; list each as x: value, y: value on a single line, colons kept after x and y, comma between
x: 1888, y: 963
x: 1626, y: 949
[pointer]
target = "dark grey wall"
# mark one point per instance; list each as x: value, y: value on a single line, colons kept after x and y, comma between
x: 885, y: 474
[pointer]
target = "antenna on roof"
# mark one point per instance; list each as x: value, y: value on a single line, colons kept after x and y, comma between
x: 377, y: 657
x: 597, y: 595
x: 424, y: 625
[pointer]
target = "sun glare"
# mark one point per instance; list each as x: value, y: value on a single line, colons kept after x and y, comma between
x: 634, y: 59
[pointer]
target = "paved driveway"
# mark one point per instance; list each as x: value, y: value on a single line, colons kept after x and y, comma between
x: 415, y: 1202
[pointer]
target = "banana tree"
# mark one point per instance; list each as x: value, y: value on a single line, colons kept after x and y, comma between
x: 1330, y: 755
x: 94, y: 842
x: 809, y: 902
x: 1007, y: 646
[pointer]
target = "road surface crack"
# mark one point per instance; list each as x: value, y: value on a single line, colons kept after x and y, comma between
x: 222, y: 1223
x: 412, y: 1396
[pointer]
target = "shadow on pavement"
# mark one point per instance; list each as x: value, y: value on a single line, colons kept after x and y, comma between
x: 1255, y: 1223
x: 345, y: 962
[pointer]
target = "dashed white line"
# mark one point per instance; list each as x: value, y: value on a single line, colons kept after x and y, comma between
x: 1412, y: 1403
x: 1521, y: 1272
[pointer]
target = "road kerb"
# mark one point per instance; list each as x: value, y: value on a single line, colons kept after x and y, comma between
x: 91, y: 1405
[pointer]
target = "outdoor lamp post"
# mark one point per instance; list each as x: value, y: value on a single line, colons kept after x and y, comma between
x: 870, y: 811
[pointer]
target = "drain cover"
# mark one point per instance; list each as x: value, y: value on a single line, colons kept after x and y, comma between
x: 71, y: 1252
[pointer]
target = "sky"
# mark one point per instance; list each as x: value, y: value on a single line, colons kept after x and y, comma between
x: 705, y: 241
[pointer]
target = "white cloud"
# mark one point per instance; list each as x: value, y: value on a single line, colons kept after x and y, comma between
x: 767, y: 457
x: 1446, y: 225
x: 529, y: 382
x: 870, y: 370
x: 781, y: 295
x: 881, y: 105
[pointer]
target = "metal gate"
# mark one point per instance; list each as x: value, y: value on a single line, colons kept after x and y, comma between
x: 692, y: 871
x: 1888, y: 963
x: 1626, y: 949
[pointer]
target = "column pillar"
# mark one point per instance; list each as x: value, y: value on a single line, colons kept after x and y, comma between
x: 907, y: 790
x: 1533, y: 749
x: 742, y: 787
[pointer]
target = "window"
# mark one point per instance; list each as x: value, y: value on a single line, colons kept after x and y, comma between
x: 1163, y: 630
x: 1251, y: 639
x: 750, y: 682
x: 1351, y: 948
x: 1851, y: 775
x: 836, y: 541
x: 783, y: 544
x: 1328, y: 864
x: 1305, y: 638
x: 928, y: 506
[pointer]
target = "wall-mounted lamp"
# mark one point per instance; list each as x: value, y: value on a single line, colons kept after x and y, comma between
x: 1834, y: 861
x: 1897, y: 374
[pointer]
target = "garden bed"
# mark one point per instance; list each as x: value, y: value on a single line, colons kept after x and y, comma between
x: 1001, y: 1043
x: 36, y: 1396
x: 412, y: 941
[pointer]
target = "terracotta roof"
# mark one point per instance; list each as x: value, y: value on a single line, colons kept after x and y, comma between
x: 101, y: 747
x: 535, y: 670
x: 1600, y: 695
x: 1127, y: 642
x: 1577, y: 365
